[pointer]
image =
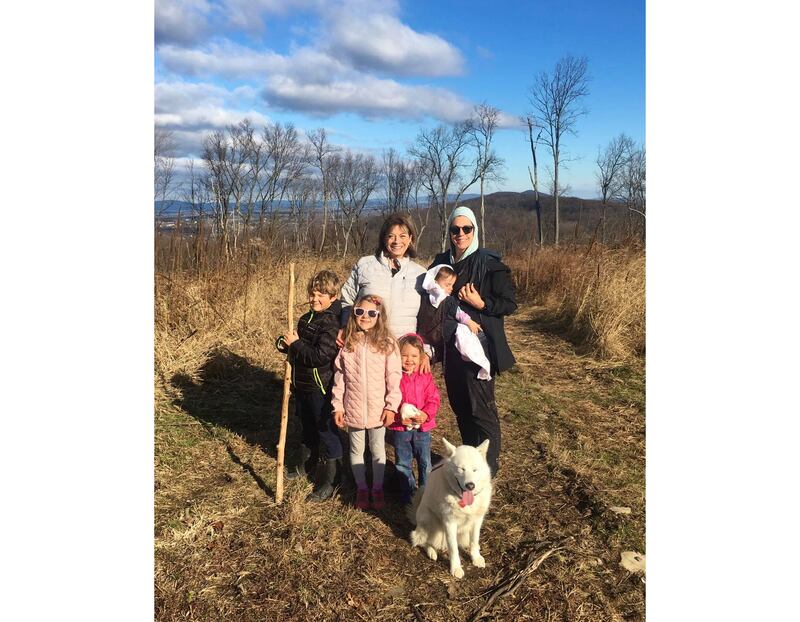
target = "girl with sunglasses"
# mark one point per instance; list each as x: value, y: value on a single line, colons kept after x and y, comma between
x: 366, y: 392
x: 485, y: 291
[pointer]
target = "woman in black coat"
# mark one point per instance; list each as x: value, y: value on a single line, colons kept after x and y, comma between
x: 486, y: 293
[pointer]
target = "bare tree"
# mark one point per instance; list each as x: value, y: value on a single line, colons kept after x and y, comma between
x: 302, y: 195
x: 195, y: 193
x: 321, y: 153
x: 226, y: 157
x: 490, y: 165
x: 633, y: 188
x: 285, y: 161
x: 164, y: 166
x: 556, y: 100
x: 399, y: 178
x: 611, y: 164
x: 530, y: 121
x: 442, y: 153
x: 353, y: 178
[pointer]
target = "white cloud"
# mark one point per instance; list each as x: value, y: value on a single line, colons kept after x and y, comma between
x: 232, y: 61
x: 192, y: 110
x: 184, y: 22
x: 248, y: 15
x: 366, y: 95
x: 382, y: 42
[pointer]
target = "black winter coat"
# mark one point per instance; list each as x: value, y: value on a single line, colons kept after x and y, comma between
x: 312, y: 355
x: 492, y: 278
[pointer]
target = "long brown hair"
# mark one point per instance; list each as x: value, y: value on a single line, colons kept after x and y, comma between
x: 378, y: 337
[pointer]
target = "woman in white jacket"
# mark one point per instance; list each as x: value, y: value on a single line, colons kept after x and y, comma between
x: 391, y: 274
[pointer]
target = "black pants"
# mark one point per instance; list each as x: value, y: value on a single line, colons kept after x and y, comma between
x: 316, y: 417
x: 472, y: 401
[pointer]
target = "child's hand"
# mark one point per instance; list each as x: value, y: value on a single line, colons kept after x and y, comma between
x: 290, y: 338
x: 420, y: 418
x: 340, y: 338
x: 338, y: 419
x: 388, y: 417
x: 474, y: 326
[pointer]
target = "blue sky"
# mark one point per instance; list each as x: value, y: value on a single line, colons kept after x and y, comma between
x: 373, y: 73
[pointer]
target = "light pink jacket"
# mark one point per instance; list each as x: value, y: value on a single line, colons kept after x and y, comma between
x: 364, y: 384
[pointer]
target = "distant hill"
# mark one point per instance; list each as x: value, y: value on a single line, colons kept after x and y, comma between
x: 170, y: 209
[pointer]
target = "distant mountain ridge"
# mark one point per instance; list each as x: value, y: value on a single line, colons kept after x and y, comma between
x: 171, y: 208
x: 569, y: 206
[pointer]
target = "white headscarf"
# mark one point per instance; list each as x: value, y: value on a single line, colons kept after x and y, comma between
x: 464, y: 211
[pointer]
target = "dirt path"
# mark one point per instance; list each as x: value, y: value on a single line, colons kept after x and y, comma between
x: 573, y: 447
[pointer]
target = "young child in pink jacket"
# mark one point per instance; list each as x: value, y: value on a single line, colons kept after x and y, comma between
x: 366, y: 392
x: 412, y: 427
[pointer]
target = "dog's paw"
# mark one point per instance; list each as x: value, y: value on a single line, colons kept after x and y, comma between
x: 478, y: 561
x: 431, y: 552
x: 457, y: 572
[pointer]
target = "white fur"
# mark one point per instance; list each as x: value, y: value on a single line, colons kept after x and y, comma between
x: 443, y: 525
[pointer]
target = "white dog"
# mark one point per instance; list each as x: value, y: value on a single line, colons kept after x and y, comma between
x: 448, y: 512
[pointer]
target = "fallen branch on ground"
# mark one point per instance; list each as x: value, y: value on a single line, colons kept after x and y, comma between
x: 510, y: 584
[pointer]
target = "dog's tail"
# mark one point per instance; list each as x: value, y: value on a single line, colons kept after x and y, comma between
x: 411, y: 510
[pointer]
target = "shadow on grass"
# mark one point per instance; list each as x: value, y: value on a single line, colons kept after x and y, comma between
x: 240, y: 397
x: 551, y: 324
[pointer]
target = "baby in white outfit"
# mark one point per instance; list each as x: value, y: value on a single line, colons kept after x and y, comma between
x: 438, y: 283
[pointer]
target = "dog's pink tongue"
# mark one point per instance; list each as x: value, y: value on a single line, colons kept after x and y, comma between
x: 466, y: 498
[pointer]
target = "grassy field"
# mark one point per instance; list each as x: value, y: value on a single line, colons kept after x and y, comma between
x: 573, y: 448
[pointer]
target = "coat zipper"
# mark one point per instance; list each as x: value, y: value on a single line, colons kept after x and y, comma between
x: 364, y: 407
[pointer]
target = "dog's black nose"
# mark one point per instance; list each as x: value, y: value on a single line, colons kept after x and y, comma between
x: 470, y: 486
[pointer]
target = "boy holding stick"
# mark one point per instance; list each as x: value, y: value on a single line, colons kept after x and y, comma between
x: 311, y: 350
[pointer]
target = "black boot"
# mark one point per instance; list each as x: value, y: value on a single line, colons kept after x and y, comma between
x: 300, y: 469
x: 312, y: 463
x: 331, y: 475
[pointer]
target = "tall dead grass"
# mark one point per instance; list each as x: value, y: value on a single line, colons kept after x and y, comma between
x: 241, y: 308
x: 596, y: 293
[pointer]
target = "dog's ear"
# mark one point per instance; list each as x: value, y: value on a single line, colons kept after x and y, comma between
x: 449, y: 448
x: 483, y: 448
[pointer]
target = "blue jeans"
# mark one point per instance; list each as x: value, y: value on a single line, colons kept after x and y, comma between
x: 410, y: 444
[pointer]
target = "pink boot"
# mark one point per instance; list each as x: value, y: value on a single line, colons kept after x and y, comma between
x: 362, y: 499
x: 377, y: 498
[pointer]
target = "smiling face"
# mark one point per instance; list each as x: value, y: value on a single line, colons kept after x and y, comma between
x: 319, y: 301
x: 396, y: 242
x: 409, y: 357
x: 364, y: 321
x: 460, y: 239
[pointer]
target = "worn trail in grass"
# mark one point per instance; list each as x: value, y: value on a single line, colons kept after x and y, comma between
x: 573, y: 447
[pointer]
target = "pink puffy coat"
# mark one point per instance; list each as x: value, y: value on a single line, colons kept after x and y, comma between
x: 421, y: 391
x: 365, y: 383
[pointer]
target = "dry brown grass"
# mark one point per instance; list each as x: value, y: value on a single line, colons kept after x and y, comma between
x: 597, y: 294
x: 573, y: 433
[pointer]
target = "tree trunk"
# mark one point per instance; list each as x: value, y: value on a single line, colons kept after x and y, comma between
x: 483, y: 225
x: 555, y: 195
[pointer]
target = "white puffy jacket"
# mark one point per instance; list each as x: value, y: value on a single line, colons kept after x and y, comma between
x: 401, y: 292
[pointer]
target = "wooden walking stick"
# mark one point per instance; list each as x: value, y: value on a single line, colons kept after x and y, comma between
x: 287, y: 382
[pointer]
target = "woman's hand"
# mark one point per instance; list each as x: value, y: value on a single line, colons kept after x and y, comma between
x: 290, y: 338
x: 338, y: 419
x: 425, y: 364
x: 388, y: 417
x: 470, y: 295
x: 340, y: 338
